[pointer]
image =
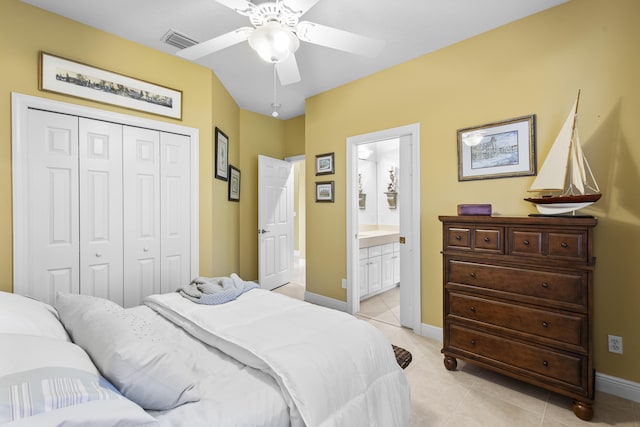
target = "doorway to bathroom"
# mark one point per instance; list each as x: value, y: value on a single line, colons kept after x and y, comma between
x: 383, y: 225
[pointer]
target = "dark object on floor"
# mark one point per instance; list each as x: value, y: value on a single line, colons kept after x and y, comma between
x: 402, y: 356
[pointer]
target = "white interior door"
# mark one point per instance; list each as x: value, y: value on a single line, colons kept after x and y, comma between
x: 275, y: 222
x: 175, y: 212
x: 408, y: 239
x: 52, y: 205
x: 100, y: 186
x: 141, y: 164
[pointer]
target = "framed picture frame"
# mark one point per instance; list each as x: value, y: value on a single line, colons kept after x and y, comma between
x: 222, y: 155
x: 234, y: 184
x: 325, y: 164
x: 67, y: 77
x: 501, y: 149
x: 324, y: 191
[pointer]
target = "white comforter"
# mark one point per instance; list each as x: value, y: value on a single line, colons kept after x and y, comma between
x: 333, y: 369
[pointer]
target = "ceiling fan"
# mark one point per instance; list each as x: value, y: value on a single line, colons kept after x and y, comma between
x: 276, y: 35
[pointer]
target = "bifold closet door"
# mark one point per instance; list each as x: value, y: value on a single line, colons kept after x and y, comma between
x: 175, y: 211
x: 141, y: 198
x: 100, y: 184
x: 52, y: 194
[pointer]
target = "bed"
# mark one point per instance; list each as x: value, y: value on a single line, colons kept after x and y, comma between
x: 263, y: 359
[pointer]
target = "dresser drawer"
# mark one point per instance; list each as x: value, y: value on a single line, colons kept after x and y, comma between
x: 459, y: 238
x: 529, y: 358
x: 563, y: 327
x: 480, y: 239
x: 567, y: 288
x: 557, y: 244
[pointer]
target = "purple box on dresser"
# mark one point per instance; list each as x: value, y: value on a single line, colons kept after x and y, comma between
x: 474, y: 209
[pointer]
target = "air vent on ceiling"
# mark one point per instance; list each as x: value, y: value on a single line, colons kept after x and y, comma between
x: 178, y: 40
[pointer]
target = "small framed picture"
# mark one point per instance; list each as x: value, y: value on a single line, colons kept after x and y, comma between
x: 234, y: 184
x: 324, y: 191
x: 324, y: 164
x: 222, y: 155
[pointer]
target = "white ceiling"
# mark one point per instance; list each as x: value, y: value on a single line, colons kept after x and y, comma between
x: 410, y: 28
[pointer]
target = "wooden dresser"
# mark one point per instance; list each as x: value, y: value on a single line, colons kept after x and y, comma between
x: 518, y: 300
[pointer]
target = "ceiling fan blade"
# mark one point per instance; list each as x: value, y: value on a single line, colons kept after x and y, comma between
x: 338, y: 39
x: 243, y: 7
x: 288, y: 71
x: 215, y: 44
x: 299, y: 7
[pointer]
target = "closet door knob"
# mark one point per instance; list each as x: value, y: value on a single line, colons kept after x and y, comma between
x: 145, y: 249
x: 98, y: 254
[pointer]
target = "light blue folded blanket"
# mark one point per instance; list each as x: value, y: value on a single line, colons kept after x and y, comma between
x: 215, y: 290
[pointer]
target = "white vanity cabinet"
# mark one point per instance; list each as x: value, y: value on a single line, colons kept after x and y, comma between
x: 379, y: 268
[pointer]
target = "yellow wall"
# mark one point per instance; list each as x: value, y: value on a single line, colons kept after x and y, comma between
x: 225, y: 217
x: 533, y: 66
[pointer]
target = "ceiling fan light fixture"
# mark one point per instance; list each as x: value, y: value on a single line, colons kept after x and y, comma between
x: 273, y: 42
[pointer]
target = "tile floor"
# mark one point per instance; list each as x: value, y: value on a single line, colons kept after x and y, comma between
x: 472, y: 396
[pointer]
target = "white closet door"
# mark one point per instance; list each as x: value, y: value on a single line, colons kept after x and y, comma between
x: 100, y: 155
x: 141, y: 174
x: 52, y: 191
x: 175, y: 211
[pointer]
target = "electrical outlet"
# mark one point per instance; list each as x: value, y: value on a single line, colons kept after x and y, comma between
x: 344, y: 283
x: 615, y: 344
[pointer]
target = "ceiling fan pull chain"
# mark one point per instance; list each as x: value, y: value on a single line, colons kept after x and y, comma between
x: 275, y: 104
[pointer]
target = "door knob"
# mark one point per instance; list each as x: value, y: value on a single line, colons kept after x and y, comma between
x: 146, y: 249
x: 98, y: 254
x: 262, y: 231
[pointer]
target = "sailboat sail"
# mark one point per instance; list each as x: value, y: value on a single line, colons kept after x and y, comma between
x: 553, y: 173
x: 565, y: 179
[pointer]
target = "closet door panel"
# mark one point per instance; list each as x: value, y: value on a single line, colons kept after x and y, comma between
x: 100, y: 159
x: 141, y: 195
x: 175, y: 211
x: 52, y: 182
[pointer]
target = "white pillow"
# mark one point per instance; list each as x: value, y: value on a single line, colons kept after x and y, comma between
x: 65, y: 388
x: 129, y: 352
x: 23, y: 315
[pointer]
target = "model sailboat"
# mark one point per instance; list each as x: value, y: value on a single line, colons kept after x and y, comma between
x: 565, y: 181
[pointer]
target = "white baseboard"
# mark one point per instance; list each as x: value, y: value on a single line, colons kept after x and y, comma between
x: 605, y: 383
x: 618, y: 387
x: 325, y: 301
x: 432, y: 332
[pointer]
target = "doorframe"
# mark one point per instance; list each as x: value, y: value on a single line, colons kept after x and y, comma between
x: 414, y: 275
x: 20, y: 105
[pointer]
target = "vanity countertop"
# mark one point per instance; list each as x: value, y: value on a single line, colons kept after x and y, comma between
x: 377, y: 237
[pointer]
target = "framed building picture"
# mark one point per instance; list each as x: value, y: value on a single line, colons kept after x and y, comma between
x: 497, y: 150
x: 234, y: 184
x: 222, y: 156
x: 72, y: 78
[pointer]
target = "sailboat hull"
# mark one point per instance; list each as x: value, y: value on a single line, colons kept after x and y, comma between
x: 583, y: 198
x: 561, y: 208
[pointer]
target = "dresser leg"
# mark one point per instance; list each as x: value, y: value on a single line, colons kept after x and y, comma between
x: 450, y: 363
x: 583, y: 410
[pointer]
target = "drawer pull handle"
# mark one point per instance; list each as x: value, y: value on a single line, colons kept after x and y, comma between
x: 526, y: 242
x: 458, y: 237
x: 473, y: 275
x: 486, y: 239
x: 564, y: 244
x: 545, y: 285
x: 473, y: 342
x: 545, y: 363
x: 545, y: 325
x: 472, y: 308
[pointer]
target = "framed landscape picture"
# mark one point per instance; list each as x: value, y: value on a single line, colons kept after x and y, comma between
x: 324, y: 191
x: 324, y: 164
